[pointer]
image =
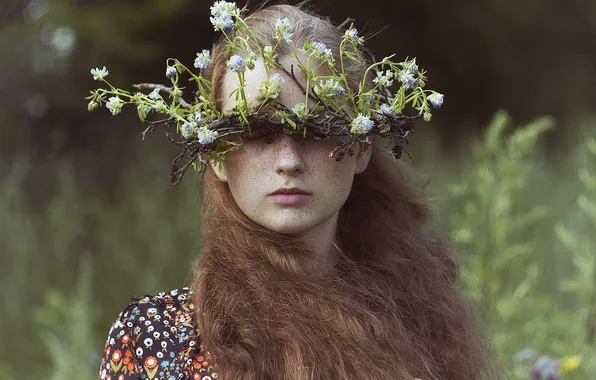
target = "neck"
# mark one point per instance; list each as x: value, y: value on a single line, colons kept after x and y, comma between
x: 321, y: 241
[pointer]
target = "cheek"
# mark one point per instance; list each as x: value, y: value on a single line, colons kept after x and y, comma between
x: 244, y: 168
x: 335, y: 178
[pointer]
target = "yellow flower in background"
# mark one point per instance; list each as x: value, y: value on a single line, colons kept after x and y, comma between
x: 569, y: 363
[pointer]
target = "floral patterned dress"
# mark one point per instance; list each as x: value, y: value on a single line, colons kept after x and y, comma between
x: 156, y: 337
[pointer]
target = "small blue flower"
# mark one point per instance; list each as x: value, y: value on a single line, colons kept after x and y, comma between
x: 206, y: 135
x: 222, y: 12
x: 197, y: 117
x: 155, y: 94
x: 222, y: 22
x: 224, y: 7
x: 352, y: 36
x: 99, y: 74
x: 321, y: 51
x: 188, y: 130
x: 171, y: 71
x: 236, y: 64
x: 412, y: 67
x: 407, y: 78
x: 202, y: 62
x: 361, y: 124
x: 386, y: 109
x: 384, y: 79
x: 283, y: 30
x: 436, y: 99
x: 114, y: 104
x: 160, y: 106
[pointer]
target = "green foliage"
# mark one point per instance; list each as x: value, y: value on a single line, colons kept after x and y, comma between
x: 142, y: 240
x: 67, y: 326
x: 577, y: 236
x: 505, y: 235
x: 491, y: 223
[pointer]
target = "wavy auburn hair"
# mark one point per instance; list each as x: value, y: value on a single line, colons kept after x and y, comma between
x: 391, y: 307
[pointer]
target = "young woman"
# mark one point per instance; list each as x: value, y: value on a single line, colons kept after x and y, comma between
x: 311, y: 268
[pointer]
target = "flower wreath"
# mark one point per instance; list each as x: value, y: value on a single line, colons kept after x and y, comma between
x: 208, y: 134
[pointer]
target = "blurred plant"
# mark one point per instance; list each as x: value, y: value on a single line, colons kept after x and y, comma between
x: 577, y: 236
x: 67, y: 328
x: 529, y: 365
x: 490, y: 223
x: 40, y: 243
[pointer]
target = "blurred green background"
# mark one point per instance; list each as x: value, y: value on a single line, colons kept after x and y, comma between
x: 88, y: 217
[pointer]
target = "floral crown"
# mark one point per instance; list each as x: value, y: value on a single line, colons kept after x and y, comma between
x: 331, y: 106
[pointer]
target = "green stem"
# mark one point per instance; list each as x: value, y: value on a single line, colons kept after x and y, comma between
x: 343, y: 74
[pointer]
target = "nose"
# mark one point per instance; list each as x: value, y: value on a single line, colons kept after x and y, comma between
x: 290, y: 158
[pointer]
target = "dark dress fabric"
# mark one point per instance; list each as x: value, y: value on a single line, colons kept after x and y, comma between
x: 156, y: 337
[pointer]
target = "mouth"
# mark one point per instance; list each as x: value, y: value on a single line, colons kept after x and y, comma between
x: 288, y: 191
x: 289, y: 196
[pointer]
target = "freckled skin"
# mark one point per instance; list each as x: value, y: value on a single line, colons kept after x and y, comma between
x: 257, y: 169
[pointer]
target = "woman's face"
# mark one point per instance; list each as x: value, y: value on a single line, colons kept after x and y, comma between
x: 257, y: 170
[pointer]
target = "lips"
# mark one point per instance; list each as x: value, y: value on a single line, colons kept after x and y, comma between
x: 292, y: 190
x: 289, y: 196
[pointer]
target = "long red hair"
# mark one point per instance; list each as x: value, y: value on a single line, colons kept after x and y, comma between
x: 391, y: 307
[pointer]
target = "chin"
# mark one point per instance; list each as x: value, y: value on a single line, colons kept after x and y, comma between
x: 288, y: 228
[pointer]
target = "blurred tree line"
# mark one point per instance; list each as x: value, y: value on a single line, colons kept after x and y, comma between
x: 532, y: 57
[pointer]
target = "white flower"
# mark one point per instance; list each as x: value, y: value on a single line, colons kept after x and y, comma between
x: 160, y: 106
x: 352, y: 36
x: 188, y: 130
x: 320, y: 51
x: 197, y: 117
x: 143, y: 110
x: 236, y: 64
x: 412, y: 67
x: 99, y: 74
x: 222, y: 12
x: 301, y: 110
x: 222, y: 22
x: 202, y: 62
x: 283, y: 29
x: 154, y: 94
x: 386, y: 109
x: 351, y: 33
x: 329, y: 88
x: 224, y: 7
x: 171, y: 71
x: 115, y: 105
x: 361, y: 124
x: 206, y: 135
x: 407, y: 78
x: 436, y: 99
x: 270, y: 88
x: 384, y: 79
